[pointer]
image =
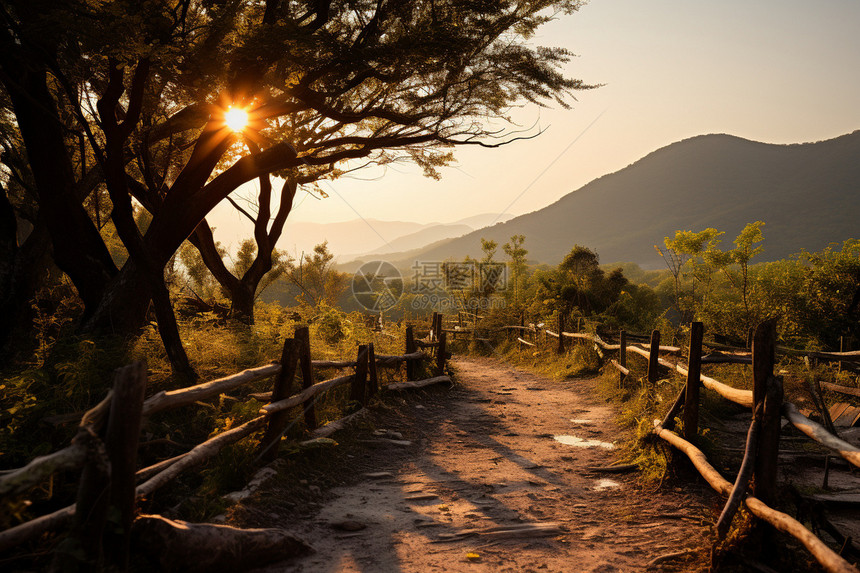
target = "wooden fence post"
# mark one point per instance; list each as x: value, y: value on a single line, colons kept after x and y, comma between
x: 622, y: 354
x: 410, y: 348
x: 357, y: 391
x: 694, y: 373
x: 434, y: 332
x: 653, y: 357
x: 302, y: 334
x: 122, y: 439
x: 767, y: 388
x: 440, y: 355
x: 282, y: 389
x: 439, y: 318
x: 373, y: 388
x: 108, y: 480
x: 560, y: 330
x: 91, y: 506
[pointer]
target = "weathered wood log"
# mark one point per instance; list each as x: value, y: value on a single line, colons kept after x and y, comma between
x: 720, y: 358
x: 149, y: 471
x: 34, y: 528
x: 694, y: 374
x: 621, y: 369
x: 333, y: 363
x: 526, y: 342
x: 189, y: 547
x: 304, y: 395
x: 71, y: 457
x: 819, y: 434
x: 736, y: 395
x: 841, y: 389
x: 200, y: 454
x: 615, y: 469
x: 175, y: 398
x: 829, y: 559
x: 411, y: 385
x: 384, y: 360
x: 337, y: 425
x: 42, y: 467
x: 852, y: 356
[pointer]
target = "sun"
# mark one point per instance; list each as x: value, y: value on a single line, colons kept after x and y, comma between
x: 236, y: 118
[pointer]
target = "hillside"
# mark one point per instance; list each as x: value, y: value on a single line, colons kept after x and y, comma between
x: 807, y: 194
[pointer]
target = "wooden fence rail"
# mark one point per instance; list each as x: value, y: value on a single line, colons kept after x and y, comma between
x: 106, y: 443
x: 765, y: 401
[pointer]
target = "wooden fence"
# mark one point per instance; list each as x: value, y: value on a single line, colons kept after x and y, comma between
x: 759, y: 465
x: 106, y: 444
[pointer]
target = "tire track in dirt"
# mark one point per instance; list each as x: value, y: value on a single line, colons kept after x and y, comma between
x: 482, y: 457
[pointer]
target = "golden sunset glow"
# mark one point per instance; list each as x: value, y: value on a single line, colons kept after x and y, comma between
x: 236, y: 119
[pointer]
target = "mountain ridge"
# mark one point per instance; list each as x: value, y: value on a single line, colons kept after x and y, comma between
x: 808, y: 195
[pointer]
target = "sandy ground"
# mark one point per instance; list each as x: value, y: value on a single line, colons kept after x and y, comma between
x: 444, y: 480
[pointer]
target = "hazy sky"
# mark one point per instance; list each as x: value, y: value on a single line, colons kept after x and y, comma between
x: 778, y: 71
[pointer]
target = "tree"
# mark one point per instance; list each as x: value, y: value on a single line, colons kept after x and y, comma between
x: 517, y: 254
x: 130, y: 97
x: 702, y: 261
x: 319, y: 283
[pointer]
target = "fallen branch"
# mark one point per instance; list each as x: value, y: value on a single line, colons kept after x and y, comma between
x: 411, y: 385
x: 337, y: 425
x: 616, y: 469
x: 32, y: 529
x: 189, y: 547
x: 41, y: 468
x: 843, y: 389
x: 620, y: 368
x: 200, y: 454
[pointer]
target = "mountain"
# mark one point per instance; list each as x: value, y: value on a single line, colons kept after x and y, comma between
x: 357, y: 235
x: 367, y: 237
x: 422, y: 238
x: 807, y: 194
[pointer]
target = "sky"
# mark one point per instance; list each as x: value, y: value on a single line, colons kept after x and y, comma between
x: 776, y: 71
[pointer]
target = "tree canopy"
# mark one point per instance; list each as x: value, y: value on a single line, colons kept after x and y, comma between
x: 105, y: 102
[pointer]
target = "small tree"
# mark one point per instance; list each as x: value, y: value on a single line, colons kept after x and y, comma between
x: 517, y: 255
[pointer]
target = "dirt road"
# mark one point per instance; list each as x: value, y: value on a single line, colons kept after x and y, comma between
x: 473, y: 478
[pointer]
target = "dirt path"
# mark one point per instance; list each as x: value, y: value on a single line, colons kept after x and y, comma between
x: 481, y: 456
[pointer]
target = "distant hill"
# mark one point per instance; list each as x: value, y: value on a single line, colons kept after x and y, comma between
x: 807, y: 194
x: 368, y: 237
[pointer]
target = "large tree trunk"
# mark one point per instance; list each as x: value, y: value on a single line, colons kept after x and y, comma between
x: 122, y: 309
x: 78, y: 248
